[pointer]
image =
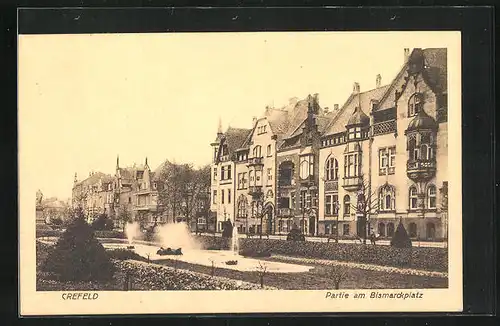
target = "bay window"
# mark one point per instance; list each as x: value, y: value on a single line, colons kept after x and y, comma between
x: 306, y: 166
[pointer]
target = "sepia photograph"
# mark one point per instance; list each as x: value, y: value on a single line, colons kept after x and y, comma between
x: 235, y: 167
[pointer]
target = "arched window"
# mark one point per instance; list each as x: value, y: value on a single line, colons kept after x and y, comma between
x: 332, y: 169
x: 431, y: 197
x: 257, y: 151
x: 347, y: 205
x: 413, y: 197
x: 387, y: 198
x: 414, y: 104
x: 381, y: 229
x: 242, y: 206
x: 390, y: 229
x: 413, y: 230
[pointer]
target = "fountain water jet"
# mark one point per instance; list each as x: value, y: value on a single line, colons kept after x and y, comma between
x: 132, y: 231
x: 176, y: 235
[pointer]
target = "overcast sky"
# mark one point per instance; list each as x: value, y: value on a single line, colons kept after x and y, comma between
x: 84, y: 99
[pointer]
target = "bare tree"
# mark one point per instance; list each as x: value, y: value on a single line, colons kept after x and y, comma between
x: 262, y: 271
x: 337, y: 273
x: 124, y: 216
x: 367, y: 203
x: 182, y: 187
x: 212, y: 269
x: 170, y: 195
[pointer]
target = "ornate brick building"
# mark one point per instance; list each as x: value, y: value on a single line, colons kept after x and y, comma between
x: 379, y: 159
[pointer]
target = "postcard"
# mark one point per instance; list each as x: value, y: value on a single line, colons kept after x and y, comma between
x: 242, y: 172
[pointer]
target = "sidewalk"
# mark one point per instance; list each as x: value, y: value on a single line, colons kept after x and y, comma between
x: 323, y: 239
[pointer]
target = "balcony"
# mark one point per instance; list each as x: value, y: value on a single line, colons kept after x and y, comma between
x: 255, y: 161
x: 255, y: 191
x: 352, y: 183
x: 385, y: 127
x: 420, y: 170
x: 332, y: 185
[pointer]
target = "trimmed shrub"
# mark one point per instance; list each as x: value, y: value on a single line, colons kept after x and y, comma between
x: 255, y: 252
x: 427, y: 258
x: 78, y: 256
x: 295, y: 235
x: 401, y: 238
x: 102, y: 223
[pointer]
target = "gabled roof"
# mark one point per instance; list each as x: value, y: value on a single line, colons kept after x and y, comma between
x: 436, y: 68
x: 234, y: 138
x: 362, y: 100
x: 435, y: 74
x: 94, y: 178
x: 278, y: 120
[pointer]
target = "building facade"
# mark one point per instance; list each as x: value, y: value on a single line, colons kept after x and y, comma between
x: 223, y: 174
x: 379, y: 159
x: 95, y: 195
x: 384, y: 156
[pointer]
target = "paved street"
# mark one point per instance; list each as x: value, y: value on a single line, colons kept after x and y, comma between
x: 321, y: 239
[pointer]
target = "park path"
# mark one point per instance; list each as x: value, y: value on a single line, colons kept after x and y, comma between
x: 372, y: 267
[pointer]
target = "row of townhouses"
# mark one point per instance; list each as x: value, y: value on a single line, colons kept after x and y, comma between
x: 312, y: 167
x: 135, y: 190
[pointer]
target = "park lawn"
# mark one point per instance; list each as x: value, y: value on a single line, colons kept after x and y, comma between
x: 317, y: 278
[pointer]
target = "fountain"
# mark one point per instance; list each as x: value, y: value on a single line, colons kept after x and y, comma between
x: 179, y: 242
x: 131, y: 231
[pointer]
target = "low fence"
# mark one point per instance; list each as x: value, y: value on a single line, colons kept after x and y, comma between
x: 433, y: 259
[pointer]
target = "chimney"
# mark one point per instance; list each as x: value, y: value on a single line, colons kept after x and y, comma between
x: 407, y: 55
x: 326, y: 110
x: 335, y: 107
x: 254, y: 120
x: 356, y: 88
x: 378, y: 81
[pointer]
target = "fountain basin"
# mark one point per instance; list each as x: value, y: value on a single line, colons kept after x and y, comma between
x: 216, y: 257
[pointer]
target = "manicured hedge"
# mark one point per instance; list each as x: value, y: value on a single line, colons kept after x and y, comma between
x: 48, y: 233
x: 110, y: 234
x: 427, y: 258
x: 158, y: 277
x: 98, y: 234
